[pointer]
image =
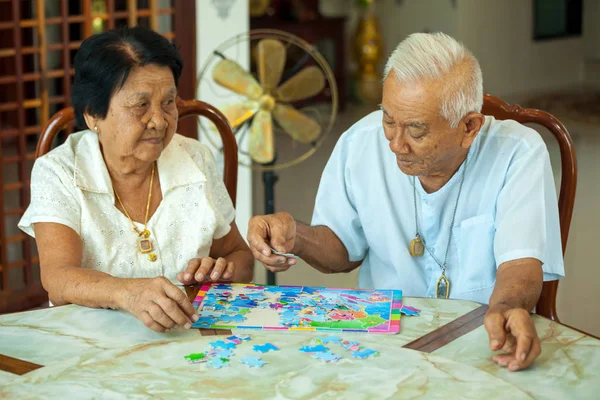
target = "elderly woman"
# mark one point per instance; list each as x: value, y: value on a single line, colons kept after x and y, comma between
x: 125, y: 210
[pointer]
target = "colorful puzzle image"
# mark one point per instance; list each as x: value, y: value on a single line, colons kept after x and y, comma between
x: 226, y: 306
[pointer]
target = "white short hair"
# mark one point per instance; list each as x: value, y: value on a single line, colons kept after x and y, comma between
x: 438, y: 56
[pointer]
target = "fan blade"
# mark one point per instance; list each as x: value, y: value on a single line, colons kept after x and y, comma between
x: 231, y: 75
x: 260, y: 141
x: 239, y: 113
x: 300, y: 127
x: 271, y: 60
x: 306, y: 83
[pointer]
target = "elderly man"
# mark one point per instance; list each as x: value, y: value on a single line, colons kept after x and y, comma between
x: 432, y: 197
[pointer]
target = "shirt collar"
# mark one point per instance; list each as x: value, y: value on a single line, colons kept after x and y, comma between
x: 175, y: 166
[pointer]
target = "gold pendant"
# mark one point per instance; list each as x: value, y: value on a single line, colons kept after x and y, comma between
x: 442, y: 287
x: 144, y: 245
x: 416, y: 248
x: 152, y: 257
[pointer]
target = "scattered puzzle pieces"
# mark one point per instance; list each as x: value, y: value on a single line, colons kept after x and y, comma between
x: 313, y: 349
x: 253, y: 361
x: 326, y: 356
x: 264, y: 348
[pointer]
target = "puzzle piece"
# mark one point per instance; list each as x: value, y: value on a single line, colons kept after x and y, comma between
x: 233, y: 318
x: 218, y: 363
x: 348, y: 345
x: 195, y: 358
x: 327, y: 356
x: 328, y: 339
x: 253, y: 361
x: 222, y: 344
x: 410, y: 311
x: 264, y: 348
x: 313, y: 349
x: 225, y: 353
x: 365, y: 353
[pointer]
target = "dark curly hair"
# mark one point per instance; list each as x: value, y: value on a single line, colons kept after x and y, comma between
x: 104, y: 61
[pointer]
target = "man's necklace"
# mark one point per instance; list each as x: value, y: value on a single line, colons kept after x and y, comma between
x: 417, y: 245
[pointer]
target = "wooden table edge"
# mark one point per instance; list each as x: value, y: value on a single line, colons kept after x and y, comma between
x: 17, y: 366
x: 449, y: 332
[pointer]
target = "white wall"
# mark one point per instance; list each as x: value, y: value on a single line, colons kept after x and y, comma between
x: 213, y: 27
x: 500, y: 33
x: 591, y: 41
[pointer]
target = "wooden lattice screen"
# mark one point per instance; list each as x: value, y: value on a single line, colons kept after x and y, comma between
x: 38, y: 40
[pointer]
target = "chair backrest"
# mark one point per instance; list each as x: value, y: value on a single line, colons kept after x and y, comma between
x: 499, y: 109
x: 34, y: 295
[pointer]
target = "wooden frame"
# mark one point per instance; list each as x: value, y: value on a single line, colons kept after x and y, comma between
x: 546, y: 305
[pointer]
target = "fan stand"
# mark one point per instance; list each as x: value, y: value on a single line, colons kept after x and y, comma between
x: 270, y: 178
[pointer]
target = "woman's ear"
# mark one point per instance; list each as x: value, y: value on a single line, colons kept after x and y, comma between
x: 91, y: 122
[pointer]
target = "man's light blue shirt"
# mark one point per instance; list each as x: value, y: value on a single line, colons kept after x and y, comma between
x: 507, y: 210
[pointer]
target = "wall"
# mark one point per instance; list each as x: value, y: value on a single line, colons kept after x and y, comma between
x: 217, y: 22
x: 591, y: 42
x: 499, y: 33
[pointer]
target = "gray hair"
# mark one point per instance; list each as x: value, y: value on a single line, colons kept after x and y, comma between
x: 436, y: 56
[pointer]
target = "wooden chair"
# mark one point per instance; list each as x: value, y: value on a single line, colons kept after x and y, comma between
x: 499, y: 109
x: 35, y: 295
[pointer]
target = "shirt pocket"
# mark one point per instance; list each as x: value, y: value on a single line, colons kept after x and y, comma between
x: 475, y: 247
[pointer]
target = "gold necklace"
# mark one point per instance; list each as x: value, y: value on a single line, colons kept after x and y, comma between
x: 418, y: 246
x: 144, y: 242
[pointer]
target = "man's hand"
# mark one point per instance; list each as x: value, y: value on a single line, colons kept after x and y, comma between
x: 512, y: 330
x: 277, y: 230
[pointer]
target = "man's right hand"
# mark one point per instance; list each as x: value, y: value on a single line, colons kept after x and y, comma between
x: 158, y: 303
x: 276, y: 230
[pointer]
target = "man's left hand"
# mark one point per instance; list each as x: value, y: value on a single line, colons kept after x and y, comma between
x: 512, y: 331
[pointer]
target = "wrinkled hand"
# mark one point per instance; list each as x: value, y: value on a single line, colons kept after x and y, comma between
x: 158, y: 303
x: 512, y: 330
x: 277, y: 230
x: 206, y: 268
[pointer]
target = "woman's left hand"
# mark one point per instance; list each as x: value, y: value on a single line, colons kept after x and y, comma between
x: 206, y: 268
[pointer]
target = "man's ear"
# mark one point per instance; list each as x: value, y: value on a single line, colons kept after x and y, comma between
x: 470, y: 126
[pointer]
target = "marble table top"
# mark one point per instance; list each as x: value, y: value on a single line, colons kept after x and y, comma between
x: 90, y: 353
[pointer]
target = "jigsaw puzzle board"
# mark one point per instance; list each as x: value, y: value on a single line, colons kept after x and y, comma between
x: 249, y: 306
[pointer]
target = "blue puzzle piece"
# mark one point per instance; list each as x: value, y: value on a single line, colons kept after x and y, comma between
x: 328, y: 339
x: 264, y: 348
x: 253, y: 361
x: 327, y: 356
x: 222, y: 344
x: 365, y: 353
x: 347, y: 345
x: 233, y: 318
x: 314, y: 349
x: 225, y: 353
x: 217, y: 363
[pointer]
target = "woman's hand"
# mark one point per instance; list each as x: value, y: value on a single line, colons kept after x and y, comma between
x: 158, y: 303
x: 206, y: 268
